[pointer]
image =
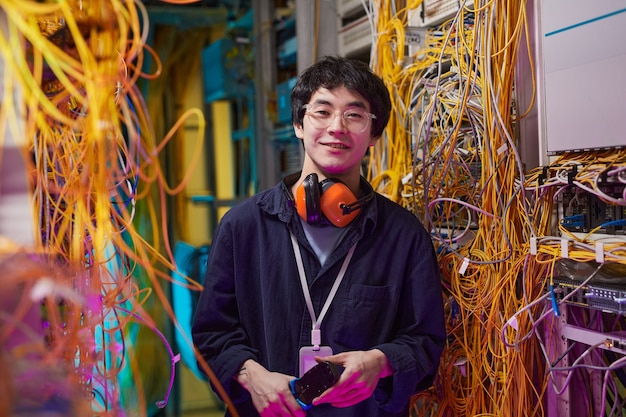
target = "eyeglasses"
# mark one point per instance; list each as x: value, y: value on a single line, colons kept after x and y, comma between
x: 355, y: 120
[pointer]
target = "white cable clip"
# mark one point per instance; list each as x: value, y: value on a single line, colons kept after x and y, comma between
x: 513, y: 322
x: 600, y: 252
x: 564, y: 248
x: 533, y: 245
x: 464, y: 266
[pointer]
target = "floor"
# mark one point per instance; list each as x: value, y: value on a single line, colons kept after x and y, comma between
x: 197, y: 399
x: 203, y: 413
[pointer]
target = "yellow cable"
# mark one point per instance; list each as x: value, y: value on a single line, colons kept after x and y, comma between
x: 76, y: 64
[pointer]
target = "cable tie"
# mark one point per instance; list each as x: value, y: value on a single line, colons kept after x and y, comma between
x: 543, y: 176
x: 502, y: 149
x: 464, y: 266
x: 600, y: 252
x: 604, y: 177
x: 564, y: 248
x: 407, y: 178
x: 176, y: 359
x: 571, y: 175
x: 533, y: 245
x: 513, y: 322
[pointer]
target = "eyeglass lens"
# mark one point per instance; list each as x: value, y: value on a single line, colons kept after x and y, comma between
x: 356, y: 120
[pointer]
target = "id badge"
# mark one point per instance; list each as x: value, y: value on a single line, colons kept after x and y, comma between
x: 308, y: 354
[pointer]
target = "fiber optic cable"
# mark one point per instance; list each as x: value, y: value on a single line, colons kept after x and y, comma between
x: 94, y: 158
x: 450, y: 140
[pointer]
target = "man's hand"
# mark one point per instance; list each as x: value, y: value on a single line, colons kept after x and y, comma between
x: 270, y: 391
x: 362, y: 370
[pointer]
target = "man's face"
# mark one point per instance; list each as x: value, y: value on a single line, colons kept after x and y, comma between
x: 333, y: 147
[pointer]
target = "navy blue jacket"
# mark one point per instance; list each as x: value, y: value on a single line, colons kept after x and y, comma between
x: 252, y: 306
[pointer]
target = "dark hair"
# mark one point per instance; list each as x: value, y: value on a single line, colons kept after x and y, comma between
x: 334, y: 72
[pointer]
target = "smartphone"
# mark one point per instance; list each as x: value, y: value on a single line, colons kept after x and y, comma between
x: 314, y: 382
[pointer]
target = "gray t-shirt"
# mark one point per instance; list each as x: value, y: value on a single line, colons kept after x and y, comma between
x: 323, y: 239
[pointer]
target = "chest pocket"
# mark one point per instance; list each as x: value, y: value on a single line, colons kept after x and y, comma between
x: 365, y: 317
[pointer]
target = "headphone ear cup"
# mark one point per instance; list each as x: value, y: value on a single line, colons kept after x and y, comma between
x: 334, y: 195
x: 308, y: 200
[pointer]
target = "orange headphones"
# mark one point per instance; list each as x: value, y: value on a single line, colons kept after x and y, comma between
x: 330, y: 199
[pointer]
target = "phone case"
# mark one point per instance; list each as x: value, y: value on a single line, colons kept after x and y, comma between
x: 314, y: 382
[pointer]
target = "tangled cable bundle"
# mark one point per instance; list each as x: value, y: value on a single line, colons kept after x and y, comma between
x: 450, y: 155
x: 70, y: 96
x: 71, y: 99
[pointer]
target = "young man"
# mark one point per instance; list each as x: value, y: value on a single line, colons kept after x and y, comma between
x: 322, y: 268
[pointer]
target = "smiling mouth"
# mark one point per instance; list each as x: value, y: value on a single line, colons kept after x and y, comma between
x: 337, y: 146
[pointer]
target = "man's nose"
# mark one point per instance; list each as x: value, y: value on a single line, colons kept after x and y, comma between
x: 337, y: 122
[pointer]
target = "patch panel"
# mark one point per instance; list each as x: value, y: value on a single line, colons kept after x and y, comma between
x: 355, y: 37
x: 433, y: 12
x: 585, y: 212
x: 571, y: 292
x: 347, y: 8
x: 605, y: 291
x: 607, y: 297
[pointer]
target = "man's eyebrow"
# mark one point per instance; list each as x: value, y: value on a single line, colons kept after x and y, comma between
x: 321, y: 101
x: 357, y: 103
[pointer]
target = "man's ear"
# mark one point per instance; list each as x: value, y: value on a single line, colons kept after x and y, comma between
x: 298, y: 129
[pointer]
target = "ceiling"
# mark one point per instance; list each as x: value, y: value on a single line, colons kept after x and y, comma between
x: 198, y: 13
x: 203, y: 3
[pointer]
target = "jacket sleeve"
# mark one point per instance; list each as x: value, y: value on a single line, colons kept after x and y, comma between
x: 216, y: 329
x: 415, y: 351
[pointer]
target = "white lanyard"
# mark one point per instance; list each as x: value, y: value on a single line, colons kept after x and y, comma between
x: 316, y: 336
